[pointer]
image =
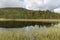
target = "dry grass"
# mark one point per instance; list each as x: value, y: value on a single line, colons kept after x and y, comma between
x: 35, y: 20
x: 52, y: 33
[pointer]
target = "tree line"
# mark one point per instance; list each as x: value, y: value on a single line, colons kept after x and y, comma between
x: 21, y: 13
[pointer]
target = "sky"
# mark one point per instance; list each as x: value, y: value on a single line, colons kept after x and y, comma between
x: 32, y: 4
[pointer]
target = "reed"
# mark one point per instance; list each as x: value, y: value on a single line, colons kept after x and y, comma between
x: 51, y: 33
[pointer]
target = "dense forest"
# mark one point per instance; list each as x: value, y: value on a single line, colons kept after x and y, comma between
x: 21, y: 13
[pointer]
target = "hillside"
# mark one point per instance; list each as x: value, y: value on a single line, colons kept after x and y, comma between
x: 21, y: 13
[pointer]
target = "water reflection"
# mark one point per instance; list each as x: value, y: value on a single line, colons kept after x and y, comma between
x: 27, y: 28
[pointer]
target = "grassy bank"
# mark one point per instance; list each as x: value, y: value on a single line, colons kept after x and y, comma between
x: 51, y: 33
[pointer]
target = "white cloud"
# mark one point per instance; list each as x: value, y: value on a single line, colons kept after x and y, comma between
x: 42, y: 4
x: 57, y: 10
x: 10, y: 3
x: 32, y: 4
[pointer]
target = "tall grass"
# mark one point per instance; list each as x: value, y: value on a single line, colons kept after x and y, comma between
x: 42, y: 33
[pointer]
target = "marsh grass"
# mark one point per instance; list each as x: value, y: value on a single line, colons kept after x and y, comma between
x: 51, y: 33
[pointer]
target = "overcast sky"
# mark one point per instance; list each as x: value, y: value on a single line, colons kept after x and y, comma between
x: 32, y: 4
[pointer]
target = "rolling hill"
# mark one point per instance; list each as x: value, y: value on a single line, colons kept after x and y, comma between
x: 21, y: 13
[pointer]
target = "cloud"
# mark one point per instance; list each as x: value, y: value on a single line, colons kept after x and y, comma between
x: 57, y: 10
x: 32, y: 4
x: 11, y: 3
x: 42, y: 4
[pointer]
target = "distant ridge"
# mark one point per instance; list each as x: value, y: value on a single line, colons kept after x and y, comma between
x: 22, y: 13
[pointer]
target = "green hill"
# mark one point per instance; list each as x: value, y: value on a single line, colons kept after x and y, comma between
x: 21, y: 13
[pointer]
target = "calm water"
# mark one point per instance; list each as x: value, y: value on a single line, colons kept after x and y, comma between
x: 27, y: 28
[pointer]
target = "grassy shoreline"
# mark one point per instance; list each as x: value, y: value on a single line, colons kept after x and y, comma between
x: 33, y: 20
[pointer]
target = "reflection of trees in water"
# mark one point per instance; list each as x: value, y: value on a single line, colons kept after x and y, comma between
x: 14, y: 24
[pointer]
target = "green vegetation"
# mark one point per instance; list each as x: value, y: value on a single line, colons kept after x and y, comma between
x: 48, y: 33
x: 52, y: 33
x: 21, y: 13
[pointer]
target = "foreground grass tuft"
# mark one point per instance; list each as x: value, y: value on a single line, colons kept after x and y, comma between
x: 52, y: 33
